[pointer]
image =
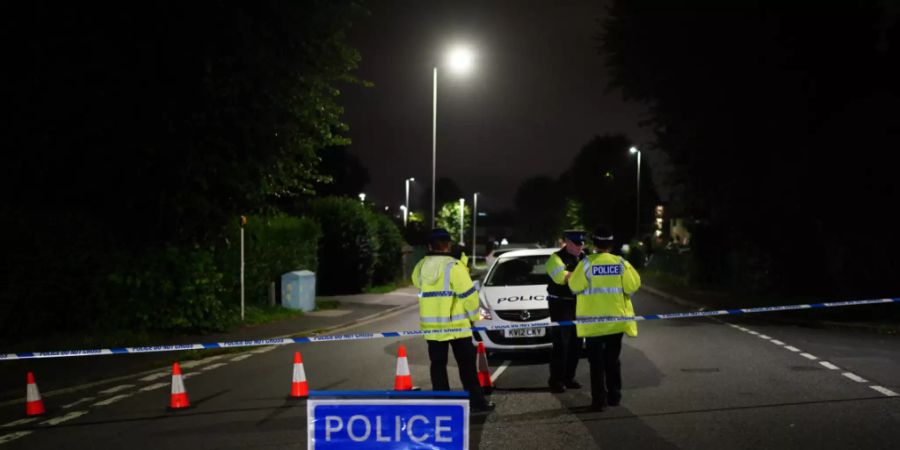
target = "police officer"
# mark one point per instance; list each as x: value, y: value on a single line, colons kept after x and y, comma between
x: 566, y: 344
x: 448, y: 299
x: 604, y: 283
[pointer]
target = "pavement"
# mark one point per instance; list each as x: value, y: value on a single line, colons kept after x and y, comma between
x: 65, y: 375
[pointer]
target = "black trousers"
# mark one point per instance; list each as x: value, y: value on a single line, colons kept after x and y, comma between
x: 606, y: 371
x: 565, y: 354
x: 464, y: 353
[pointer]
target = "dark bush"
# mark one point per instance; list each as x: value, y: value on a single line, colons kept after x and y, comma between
x: 389, y: 260
x: 273, y: 246
x: 347, y: 249
x: 168, y: 288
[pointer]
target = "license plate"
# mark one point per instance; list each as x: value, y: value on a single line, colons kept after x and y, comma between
x: 525, y: 332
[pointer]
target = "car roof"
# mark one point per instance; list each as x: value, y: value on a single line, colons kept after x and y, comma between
x: 529, y: 252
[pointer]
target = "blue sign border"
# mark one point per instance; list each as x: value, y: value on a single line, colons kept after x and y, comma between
x: 312, y: 403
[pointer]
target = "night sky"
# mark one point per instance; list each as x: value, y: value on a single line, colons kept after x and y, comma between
x: 538, y: 92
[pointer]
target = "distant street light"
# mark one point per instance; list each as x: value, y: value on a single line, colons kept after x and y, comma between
x: 459, y: 60
x: 406, y: 205
x: 474, y: 224
x: 362, y: 197
x: 637, y: 215
x: 462, y: 218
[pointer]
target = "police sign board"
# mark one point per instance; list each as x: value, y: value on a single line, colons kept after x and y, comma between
x: 388, y: 423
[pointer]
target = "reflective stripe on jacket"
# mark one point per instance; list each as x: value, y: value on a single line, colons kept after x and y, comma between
x: 604, y: 284
x: 447, y: 297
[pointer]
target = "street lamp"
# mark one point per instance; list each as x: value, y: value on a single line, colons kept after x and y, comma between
x: 474, y: 224
x: 406, y: 205
x: 462, y: 217
x: 362, y: 197
x: 637, y: 215
x: 459, y: 60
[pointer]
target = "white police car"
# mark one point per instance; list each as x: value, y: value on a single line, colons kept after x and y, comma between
x: 514, y: 291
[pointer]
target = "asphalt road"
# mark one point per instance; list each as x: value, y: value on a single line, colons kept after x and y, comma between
x: 697, y: 383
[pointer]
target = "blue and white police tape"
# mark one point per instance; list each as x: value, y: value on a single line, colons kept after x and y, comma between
x: 388, y: 334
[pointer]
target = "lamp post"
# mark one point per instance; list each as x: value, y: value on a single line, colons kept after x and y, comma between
x: 462, y: 218
x: 362, y: 197
x: 474, y: 224
x: 637, y: 214
x: 460, y: 61
x: 406, y: 205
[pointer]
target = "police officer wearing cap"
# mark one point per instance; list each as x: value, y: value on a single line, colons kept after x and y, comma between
x: 448, y: 300
x: 604, y: 283
x: 566, y: 344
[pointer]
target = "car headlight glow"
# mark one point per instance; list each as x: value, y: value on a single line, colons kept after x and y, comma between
x: 484, y: 313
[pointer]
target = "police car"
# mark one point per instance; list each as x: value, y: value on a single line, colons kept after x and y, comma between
x: 514, y: 291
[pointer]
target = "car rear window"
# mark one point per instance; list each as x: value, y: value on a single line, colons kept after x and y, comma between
x: 521, y: 271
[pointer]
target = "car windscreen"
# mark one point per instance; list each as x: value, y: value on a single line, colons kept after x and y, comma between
x: 521, y: 271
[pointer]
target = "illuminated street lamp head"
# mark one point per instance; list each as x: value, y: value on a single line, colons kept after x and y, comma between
x: 362, y: 196
x: 412, y: 179
x: 460, y: 60
x: 633, y: 150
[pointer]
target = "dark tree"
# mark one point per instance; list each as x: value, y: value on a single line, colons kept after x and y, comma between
x: 540, y: 210
x: 781, y: 117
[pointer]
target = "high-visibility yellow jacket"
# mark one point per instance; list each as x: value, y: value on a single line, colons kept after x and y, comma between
x: 447, y: 296
x: 604, y: 284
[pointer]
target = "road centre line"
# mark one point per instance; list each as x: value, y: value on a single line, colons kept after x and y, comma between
x: 200, y: 362
x: 753, y: 332
x: 115, y: 389
x: 214, y: 366
x: 855, y: 377
x: 792, y: 348
x: 264, y: 349
x: 19, y: 422
x: 112, y: 400
x: 78, y: 402
x: 152, y: 387
x: 776, y: 342
x: 809, y: 357
x: 762, y: 336
x: 241, y: 357
x: 885, y: 391
x: 829, y: 365
x: 13, y: 436
x: 65, y: 418
x: 499, y: 370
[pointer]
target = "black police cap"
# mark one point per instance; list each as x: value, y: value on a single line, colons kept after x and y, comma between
x: 576, y: 236
x: 602, y: 234
x: 439, y: 234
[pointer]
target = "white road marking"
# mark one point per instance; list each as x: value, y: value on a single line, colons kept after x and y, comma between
x: 241, y: 357
x: 154, y: 376
x: 264, y: 349
x: 78, y: 402
x: 153, y: 387
x: 13, y: 436
x: 499, y: 370
x: 214, y: 366
x: 200, y: 362
x: 753, y: 332
x: 791, y: 348
x: 762, y: 336
x: 809, y: 357
x: 19, y: 422
x: 885, y: 391
x: 113, y: 390
x: 829, y: 365
x: 776, y: 342
x: 65, y: 418
x: 112, y: 400
x: 855, y: 377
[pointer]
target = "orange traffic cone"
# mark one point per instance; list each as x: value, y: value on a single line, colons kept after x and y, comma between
x: 179, y: 394
x: 484, y: 372
x: 299, y: 386
x: 403, y: 380
x: 34, y: 406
